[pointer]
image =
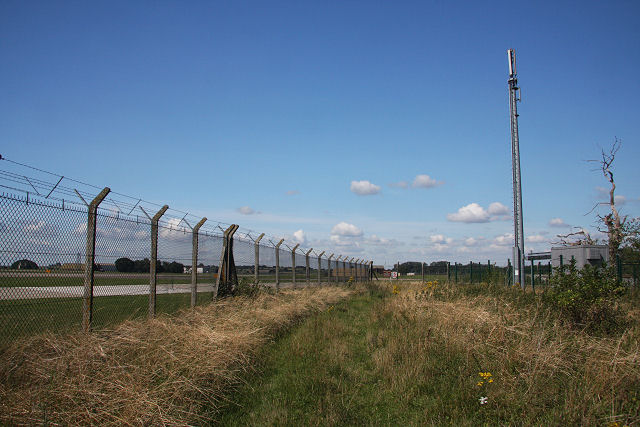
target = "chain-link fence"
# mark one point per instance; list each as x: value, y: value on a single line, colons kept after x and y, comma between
x: 77, y: 256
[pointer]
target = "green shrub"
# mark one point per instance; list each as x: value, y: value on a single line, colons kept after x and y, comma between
x: 245, y: 287
x: 587, y: 297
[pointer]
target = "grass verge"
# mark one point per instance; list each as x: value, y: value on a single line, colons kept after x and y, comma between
x: 170, y: 370
x: 416, y: 357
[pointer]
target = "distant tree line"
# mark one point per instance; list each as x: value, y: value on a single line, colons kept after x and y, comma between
x: 416, y: 267
x: 126, y: 265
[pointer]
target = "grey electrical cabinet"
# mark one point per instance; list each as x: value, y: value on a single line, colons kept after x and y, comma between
x: 583, y: 254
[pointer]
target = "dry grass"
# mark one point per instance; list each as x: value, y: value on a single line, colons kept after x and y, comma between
x: 168, y: 371
x: 544, y: 372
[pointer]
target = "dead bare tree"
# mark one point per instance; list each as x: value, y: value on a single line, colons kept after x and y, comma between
x: 584, y: 239
x: 613, y: 221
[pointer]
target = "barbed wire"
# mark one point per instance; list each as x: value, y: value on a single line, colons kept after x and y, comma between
x: 53, y: 187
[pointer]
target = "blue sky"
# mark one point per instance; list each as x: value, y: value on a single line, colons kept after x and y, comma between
x: 264, y: 113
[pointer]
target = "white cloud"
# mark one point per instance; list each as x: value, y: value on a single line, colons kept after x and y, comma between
x: 473, y: 212
x: 400, y: 184
x: 619, y: 200
x: 557, y: 222
x: 536, y: 238
x: 292, y: 192
x: 345, y: 229
x: 36, y: 226
x: 440, y: 239
x: 470, y: 241
x: 364, y: 188
x: 505, y: 239
x: 497, y: 208
x: 246, y: 210
x: 603, y: 193
x: 425, y: 181
x: 173, y: 229
x: 300, y: 237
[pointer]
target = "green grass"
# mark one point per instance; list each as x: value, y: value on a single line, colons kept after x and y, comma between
x: 43, y: 279
x: 373, y: 361
x: 27, y: 317
x: 302, y: 383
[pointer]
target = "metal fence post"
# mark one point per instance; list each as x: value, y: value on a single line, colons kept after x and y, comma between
x: 293, y: 264
x: 194, y: 262
x: 371, y: 270
x: 533, y: 284
x: 256, y: 271
x: 509, y: 275
x: 329, y: 266
x: 278, y: 264
x: 471, y: 271
x: 619, y: 268
x: 320, y: 266
x: 153, y: 275
x: 338, y: 269
x: 306, y: 255
x: 539, y: 274
x: 355, y: 269
x: 90, y: 256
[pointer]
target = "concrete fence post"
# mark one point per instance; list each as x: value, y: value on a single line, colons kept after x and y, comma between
x: 293, y: 264
x: 278, y: 264
x: 194, y: 262
x: 344, y: 269
x: 90, y: 257
x: 227, y: 268
x: 320, y: 267
x: 329, y: 267
x: 308, y: 272
x: 338, y: 268
x: 153, y: 275
x: 256, y: 267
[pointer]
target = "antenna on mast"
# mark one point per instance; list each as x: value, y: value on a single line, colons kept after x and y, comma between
x: 518, y: 228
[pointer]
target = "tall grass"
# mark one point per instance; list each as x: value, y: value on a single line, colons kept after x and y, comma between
x: 415, y: 357
x: 543, y: 372
x: 170, y: 370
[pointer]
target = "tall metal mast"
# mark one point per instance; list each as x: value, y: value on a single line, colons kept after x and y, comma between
x: 518, y: 228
